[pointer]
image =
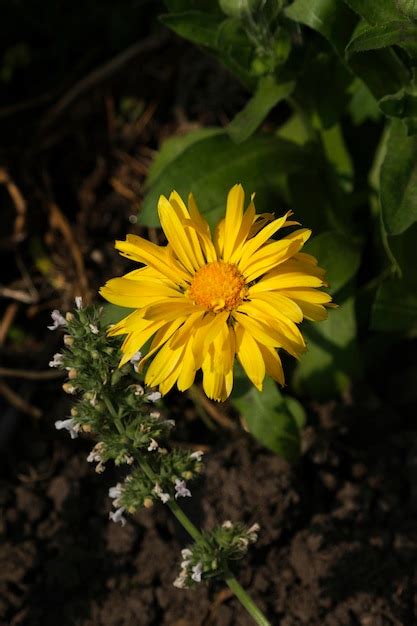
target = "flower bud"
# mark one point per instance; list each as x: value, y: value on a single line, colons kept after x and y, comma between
x: 187, y: 475
x: 72, y: 373
x: 148, y: 503
x: 68, y: 388
x: 68, y: 341
x: 87, y: 428
x: 69, y: 317
x: 74, y: 412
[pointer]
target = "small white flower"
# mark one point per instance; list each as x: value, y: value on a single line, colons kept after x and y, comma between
x: 116, y: 491
x: 186, y: 553
x: 58, y: 320
x: 179, y: 582
x: 79, y: 302
x: 181, y: 489
x: 94, y: 329
x: 117, y: 516
x: 154, y: 396
x: 69, y: 425
x: 57, y: 360
x: 255, y: 528
x: 95, y: 456
x: 136, y: 357
x: 155, y: 414
x: 227, y: 524
x: 153, y: 445
x: 138, y: 390
x: 197, y: 455
x: 157, y: 490
x: 170, y: 423
x: 197, y: 570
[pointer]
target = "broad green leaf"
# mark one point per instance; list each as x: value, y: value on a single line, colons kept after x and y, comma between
x: 408, y: 8
x: 398, y: 183
x: 331, y: 18
x: 267, y: 95
x: 375, y: 11
x: 363, y: 105
x: 338, y: 255
x: 210, y: 167
x: 399, y: 32
x: 395, y: 306
x: 197, y: 26
x: 269, y: 417
x: 113, y: 313
x: 402, y: 104
x: 332, y: 358
x: 337, y: 153
x: 173, y: 147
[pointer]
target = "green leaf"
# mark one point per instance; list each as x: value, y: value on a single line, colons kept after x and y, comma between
x: 398, y: 181
x: 332, y: 358
x: 113, y: 313
x: 374, y: 11
x: 398, y: 32
x: 173, y: 147
x: 268, y: 416
x: 210, y: 167
x: 267, y: 95
x: 196, y: 26
x: 338, y: 255
x: 337, y: 153
x: 402, y: 104
x: 395, y: 306
x: 331, y: 18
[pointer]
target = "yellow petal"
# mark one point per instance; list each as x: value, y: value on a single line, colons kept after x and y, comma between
x: 233, y: 220
x: 139, y: 249
x: 282, y: 303
x: 256, y: 242
x: 188, y: 368
x: 250, y: 356
x: 273, y: 364
x: 177, y: 237
x: 134, y: 293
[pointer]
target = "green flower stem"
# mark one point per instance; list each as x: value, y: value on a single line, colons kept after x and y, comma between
x: 184, y: 520
x: 246, y: 600
x: 230, y: 580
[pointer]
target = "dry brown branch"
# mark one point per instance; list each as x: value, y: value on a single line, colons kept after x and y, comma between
x: 17, y: 401
x: 19, y: 203
x: 211, y: 408
x: 17, y: 294
x: 101, y: 74
x: 59, y: 222
x: 30, y: 374
x: 7, y: 320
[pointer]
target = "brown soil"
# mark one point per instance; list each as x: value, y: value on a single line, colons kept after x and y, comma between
x: 338, y: 543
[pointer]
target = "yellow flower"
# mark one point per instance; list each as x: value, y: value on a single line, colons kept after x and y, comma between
x: 205, y: 299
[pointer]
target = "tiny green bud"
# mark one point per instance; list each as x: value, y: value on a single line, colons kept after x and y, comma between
x: 116, y: 376
x: 95, y: 355
x: 187, y: 475
x: 74, y: 412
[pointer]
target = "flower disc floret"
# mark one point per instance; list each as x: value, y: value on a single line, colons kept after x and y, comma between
x: 218, y: 286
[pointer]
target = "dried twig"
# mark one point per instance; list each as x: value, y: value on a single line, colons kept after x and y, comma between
x: 59, y: 222
x: 30, y: 374
x: 17, y: 294
x: 19, y: 203
x: 210, y: 408
x: 7, y: 321
x: 17, y: 401
x: 102, y: 73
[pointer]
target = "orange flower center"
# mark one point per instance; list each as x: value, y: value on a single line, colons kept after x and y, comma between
x: 218, y: 286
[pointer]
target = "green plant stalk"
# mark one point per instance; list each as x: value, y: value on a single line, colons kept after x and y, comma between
x: 230, y: 580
